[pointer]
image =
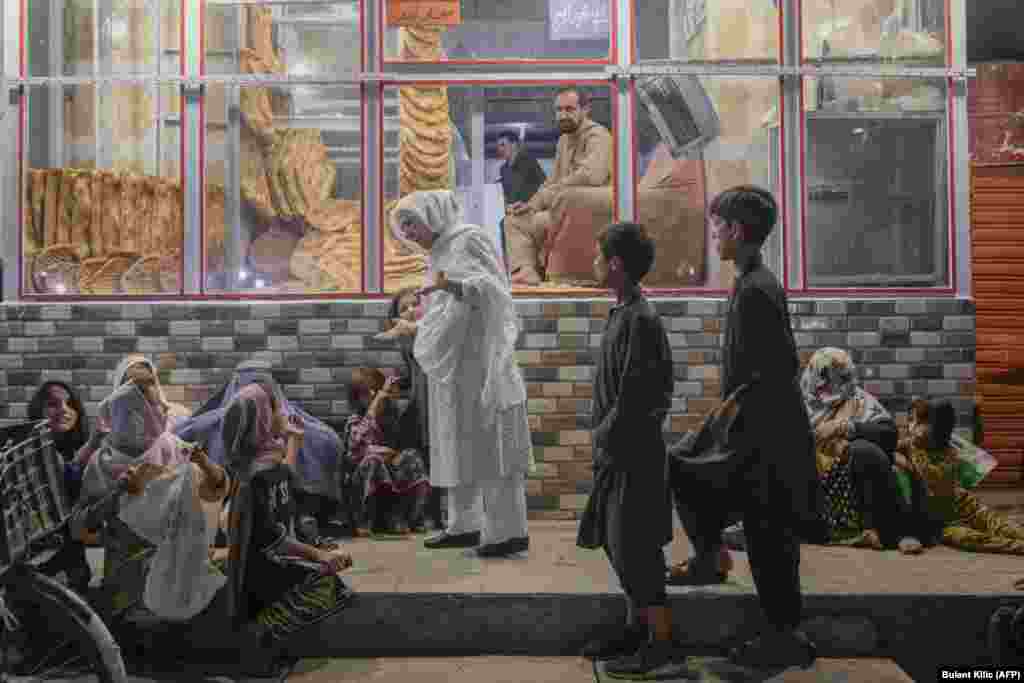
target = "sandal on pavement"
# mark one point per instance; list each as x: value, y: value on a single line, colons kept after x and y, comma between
x: 776, y: 651
x: 911, y: 546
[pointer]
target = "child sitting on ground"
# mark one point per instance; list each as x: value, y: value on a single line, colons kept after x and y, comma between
x: 390, y: 478
x: 944, y: 509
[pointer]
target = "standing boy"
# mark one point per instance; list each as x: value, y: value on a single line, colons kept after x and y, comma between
x: 629, y: 512
x: 774, y: 489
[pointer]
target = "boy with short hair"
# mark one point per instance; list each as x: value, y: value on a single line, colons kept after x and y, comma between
x: 629, y: 513
x: 775, y: 488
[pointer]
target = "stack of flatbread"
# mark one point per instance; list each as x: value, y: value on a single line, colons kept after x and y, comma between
x: 106, y: 222
x: 425, y: 136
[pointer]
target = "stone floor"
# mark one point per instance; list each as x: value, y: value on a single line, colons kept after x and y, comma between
x: 555, y: 565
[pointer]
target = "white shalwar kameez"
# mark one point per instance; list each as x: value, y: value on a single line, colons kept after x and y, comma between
x: 480, y: 447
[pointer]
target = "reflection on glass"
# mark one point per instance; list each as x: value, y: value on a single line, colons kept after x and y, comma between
x: 101, y: 218
x: 706, y: 30
x: 546, y: 30
x: 698, y: 136
x: 134, y: 37
x: 876, y: 182
x: 312, y: 39
x: 284, y: 187
x: 874, y: 30
x: 531, y: 164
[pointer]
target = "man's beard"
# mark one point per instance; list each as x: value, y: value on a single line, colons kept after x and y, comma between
x: 568, y: 126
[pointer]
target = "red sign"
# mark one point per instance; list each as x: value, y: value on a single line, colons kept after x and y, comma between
x: 424, y: 12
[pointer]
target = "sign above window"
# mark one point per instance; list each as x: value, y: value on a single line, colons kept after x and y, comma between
x: 579, y: 19
x: 424, y: 13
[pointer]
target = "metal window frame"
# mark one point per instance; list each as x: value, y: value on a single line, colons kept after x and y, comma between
x: 790, y: 70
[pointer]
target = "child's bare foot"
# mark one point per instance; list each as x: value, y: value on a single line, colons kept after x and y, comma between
x: 868, y: 539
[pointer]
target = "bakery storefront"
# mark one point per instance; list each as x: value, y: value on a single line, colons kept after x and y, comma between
x: 209, y: 182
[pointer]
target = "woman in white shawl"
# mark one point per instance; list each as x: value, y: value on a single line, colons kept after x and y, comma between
x: 146, y: 489
x: 465, y: 343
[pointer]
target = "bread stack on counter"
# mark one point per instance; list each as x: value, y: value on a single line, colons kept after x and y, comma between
x: 102, y: 232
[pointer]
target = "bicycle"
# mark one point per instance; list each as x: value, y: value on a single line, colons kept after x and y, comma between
x: 46, y: 630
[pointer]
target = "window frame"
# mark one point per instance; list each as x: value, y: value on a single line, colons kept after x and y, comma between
x: 383, y: 63
x: 617, y: 72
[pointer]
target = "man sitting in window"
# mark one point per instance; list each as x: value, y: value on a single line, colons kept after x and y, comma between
x: 583, y: 158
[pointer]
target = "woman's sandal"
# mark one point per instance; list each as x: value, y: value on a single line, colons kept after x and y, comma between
x: 910, y: 546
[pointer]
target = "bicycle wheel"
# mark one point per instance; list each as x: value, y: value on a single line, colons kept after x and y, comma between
x: 57, y: 637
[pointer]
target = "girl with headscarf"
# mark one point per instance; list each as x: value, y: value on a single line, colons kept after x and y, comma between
x: 316, y: 447
x: 151, y: 495
x: 407, y: 305
x: 855, y: 437
x: 946, y: 512
x: 59, y: 404
x: 465, y: 342
x: 279, y: 585
x: 390, y: 476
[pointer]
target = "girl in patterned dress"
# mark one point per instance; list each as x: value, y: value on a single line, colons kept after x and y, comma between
x: 947, y: 512
x: 390, y: 477
x: 278, y: 585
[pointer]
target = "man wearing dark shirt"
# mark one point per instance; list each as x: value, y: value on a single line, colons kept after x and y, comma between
x: 629, y: 512
x: 521, y: 174
x: 774, y: 486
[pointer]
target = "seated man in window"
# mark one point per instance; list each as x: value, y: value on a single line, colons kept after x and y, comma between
x: 583, y: 158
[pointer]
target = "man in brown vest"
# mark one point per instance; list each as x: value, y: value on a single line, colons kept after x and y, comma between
x: 583, y: 158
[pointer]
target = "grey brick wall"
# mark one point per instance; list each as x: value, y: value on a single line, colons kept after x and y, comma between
x: 903, y: 347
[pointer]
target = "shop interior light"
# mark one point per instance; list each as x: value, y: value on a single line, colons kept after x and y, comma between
x: 243, y: 275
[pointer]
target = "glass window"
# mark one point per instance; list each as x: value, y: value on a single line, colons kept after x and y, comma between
x: 302, y: 39
x: 706, y: 30
x: 102, y: 218
x: 876, y: 182
x: 533, y: 165
x: 284, y: 189
x: 103, y: 37
x: 874, y: 30
x: 697, y: 136
x: 559, y: 30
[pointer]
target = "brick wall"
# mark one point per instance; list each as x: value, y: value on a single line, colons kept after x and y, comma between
x: 903, y: 347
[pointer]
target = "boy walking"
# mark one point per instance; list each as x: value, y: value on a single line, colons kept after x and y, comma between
x: 629, y: 512
x: 774, y: 488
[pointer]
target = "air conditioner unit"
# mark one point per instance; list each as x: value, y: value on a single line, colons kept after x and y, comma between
x: 677, y: 111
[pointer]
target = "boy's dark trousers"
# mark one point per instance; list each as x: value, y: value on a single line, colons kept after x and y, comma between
x: 772, y: 541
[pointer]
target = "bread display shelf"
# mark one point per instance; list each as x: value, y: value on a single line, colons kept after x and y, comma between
x: 96, y: 232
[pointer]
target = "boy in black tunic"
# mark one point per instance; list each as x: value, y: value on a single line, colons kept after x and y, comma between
x: 629, y: 512
x: 775, y: 487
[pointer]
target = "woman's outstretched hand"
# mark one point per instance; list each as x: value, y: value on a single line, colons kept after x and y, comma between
x: 399, y: 328
x: 334, y: 561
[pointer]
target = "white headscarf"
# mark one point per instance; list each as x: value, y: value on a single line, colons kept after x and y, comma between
x: 467, y: 254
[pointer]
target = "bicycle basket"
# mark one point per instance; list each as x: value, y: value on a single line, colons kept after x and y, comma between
x: 32, y: 495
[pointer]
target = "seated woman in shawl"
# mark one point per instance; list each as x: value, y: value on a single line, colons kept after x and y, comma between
x: 318, y: 463
x: 854, y: 439
x: 141, y: 370
x: 59, y: 404
x: 155, y: 538
x: 390, y: 476
x: 279, y: 584
x: 944, y: 510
